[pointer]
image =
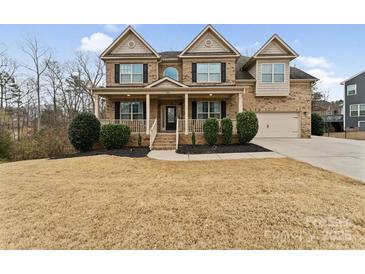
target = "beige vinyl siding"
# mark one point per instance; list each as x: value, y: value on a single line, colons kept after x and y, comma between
x: 216, y: 46
x: 272, y: 89
x: 252, y: 71
x: 274, y: 48
x: 124, y: 48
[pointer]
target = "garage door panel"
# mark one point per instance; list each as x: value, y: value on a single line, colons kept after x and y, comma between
x: 284, y: 125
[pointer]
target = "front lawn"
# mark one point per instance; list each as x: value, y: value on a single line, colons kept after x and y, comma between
x: 110, y: 202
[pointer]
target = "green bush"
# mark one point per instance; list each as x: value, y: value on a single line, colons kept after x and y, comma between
x: 227, y: 128
x: 247, y: 126
x: 114, y: 136
x: 193, y: 138
x: 5, y: 145
x: 84, y: 131
x: 317, y: 125
x: 210, y: 128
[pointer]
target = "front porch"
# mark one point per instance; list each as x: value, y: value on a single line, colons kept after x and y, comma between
x: 178, y: 113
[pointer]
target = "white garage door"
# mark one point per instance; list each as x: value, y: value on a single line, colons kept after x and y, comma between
x: 278, y: 125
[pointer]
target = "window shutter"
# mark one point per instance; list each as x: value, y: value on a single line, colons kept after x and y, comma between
x: 117, y: 111
x: 223, y: 72
x: 223, y: 109
x: 145, y: 73
x: 193, y: 73
x: 193, y: 109
x: 117, y: 73
x: 144, y: 110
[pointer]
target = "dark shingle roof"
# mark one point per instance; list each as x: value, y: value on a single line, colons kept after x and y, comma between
x: 298, y: 74
x: 169, y: 54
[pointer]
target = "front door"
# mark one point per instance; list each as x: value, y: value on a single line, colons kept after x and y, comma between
x: 170, y: 117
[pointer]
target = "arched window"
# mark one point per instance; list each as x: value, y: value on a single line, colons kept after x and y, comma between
x: 172, y: 73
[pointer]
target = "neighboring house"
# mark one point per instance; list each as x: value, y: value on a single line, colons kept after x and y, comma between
x: 331, y: 113
x: 157, y: 92
x: 355, y: 101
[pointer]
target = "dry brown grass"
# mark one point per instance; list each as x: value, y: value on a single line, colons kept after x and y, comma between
x: 108, y: 202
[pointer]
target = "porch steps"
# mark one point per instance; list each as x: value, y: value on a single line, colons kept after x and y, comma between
x: 165, y: 141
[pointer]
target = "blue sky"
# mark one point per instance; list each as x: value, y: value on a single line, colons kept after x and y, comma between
x: 330, y: 52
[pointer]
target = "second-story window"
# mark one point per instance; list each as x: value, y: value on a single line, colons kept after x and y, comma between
x: 208, y: 72
x: 172, y: 73
x: 351, y: 90
x: 272, y: 73
x: 131, y: 73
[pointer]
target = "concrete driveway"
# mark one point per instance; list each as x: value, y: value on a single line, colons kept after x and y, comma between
x: 343, y: 156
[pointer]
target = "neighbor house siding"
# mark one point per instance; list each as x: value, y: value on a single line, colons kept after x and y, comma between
x: 359, y: 98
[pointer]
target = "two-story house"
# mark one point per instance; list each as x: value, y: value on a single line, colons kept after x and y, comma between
x: 354, y: 102
x: 174, y: 92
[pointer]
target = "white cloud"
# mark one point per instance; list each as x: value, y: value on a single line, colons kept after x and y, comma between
x: 96, y: 42
x: 309, y: 61
x: 112, y: 28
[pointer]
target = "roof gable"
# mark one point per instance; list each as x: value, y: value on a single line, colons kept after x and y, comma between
x: 166, y: 82
x: 209, y: 41
x: 275, y: 46
x: 352, y: 77
x: 129, y: 42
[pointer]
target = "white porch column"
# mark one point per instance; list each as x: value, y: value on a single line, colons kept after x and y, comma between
x: 186, y: 113
x: 240, y: 102
x: 96, y: 106
x: 147, y: 114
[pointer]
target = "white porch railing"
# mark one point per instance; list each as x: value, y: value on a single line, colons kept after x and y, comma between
x: 177, y: 134
x: 153, y: 132
x: 197, y: 125
x: 136, y: 126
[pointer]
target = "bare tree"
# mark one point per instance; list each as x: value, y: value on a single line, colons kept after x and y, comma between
x: 40, y: 59
x: 54, y: 79
x: 91, y: 73
x: 7, y: 72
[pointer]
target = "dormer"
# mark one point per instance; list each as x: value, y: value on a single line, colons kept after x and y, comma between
x: 130, y: 60
x: 270, y: 66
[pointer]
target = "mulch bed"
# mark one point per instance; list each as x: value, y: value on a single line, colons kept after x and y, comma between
x: 206, y: 149
x: 132, y: 152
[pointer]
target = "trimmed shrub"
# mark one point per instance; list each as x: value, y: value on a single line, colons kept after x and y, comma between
x: 114, y: 136
x: 317, y: 125
x: 5, y: 145
x: 227, y: 128
x: 193, y: 138
x: 247, y: 126
x: 139, y: 139
x: 210, y: 129
x: 84, y: 131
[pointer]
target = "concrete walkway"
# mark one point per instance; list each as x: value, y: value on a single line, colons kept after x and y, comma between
x: 343, y: 156
x: 171, y: 155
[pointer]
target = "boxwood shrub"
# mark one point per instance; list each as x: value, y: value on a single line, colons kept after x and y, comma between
x: 247, y: 126
x: 227, y: 128
x: 84, y: 131
x: 317, y: 125
x: 210, y: 129
x: 114, y: 136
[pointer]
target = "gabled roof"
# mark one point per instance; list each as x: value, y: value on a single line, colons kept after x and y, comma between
x: 121, y: 36
x: 166, y: 79
x: 277, y: 38
x: 206, y: 29
x: 352, y: 77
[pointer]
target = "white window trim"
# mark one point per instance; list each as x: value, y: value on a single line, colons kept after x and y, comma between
x: 347, y: 91
x: 131, y: 111
x: 131, y: 74
x: 358, y: 123
x: 358, y: 110
x: 273, y: 73
x: 209, y: 102
x: 220, y: 73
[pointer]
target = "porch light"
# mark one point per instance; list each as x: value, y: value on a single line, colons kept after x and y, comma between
x: 128, y: 95
x: 210, y: 94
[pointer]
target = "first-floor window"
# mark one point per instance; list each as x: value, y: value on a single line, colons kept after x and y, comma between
x: 209, y: 109
x: 131, y: 110
x: 357, y: 110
